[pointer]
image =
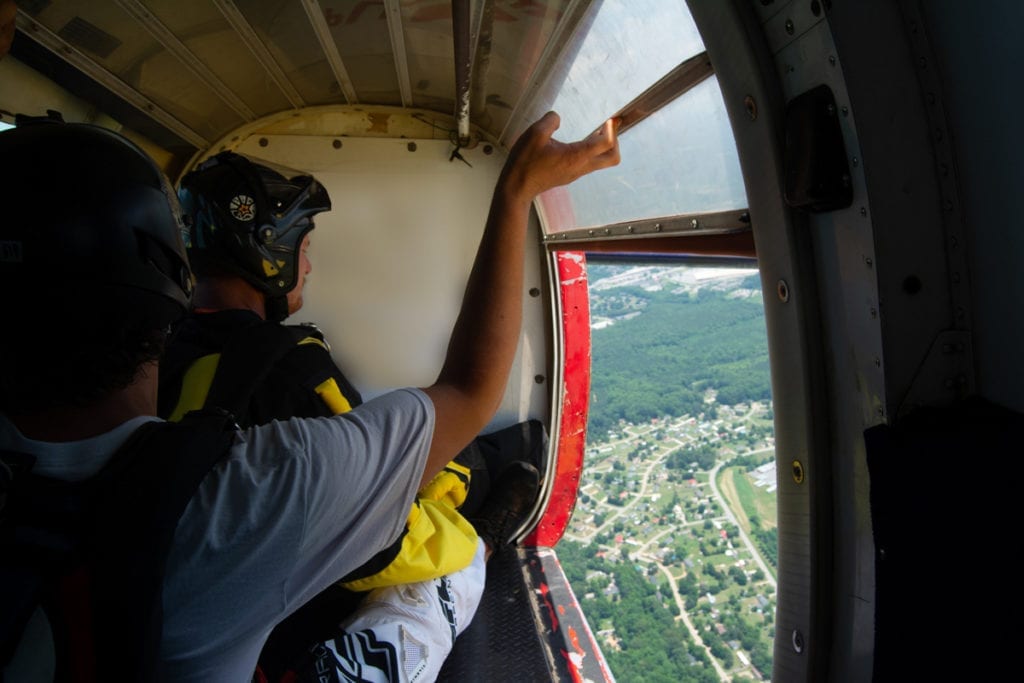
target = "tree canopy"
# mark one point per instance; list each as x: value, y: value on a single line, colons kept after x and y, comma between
x: 662, y: 360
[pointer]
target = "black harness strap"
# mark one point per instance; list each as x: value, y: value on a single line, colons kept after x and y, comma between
x: 245, y: 361
x: 170, y: 462
x: 94, y: 553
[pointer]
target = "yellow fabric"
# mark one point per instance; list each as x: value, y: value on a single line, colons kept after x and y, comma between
x: 450, y: 485
x: 195, y: 386
x: 313, y: 340
x: 330, y: 393
x: 438, y: 541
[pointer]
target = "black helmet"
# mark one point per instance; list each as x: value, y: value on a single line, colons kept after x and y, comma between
x: 248, y: 217
x: 87, y: 212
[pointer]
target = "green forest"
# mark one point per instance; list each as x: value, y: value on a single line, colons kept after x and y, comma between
x: 662, y: 361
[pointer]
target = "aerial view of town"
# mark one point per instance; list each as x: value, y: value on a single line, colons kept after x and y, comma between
x: 671, y: 547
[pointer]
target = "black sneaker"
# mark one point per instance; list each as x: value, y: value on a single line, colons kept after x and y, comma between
x: 512, y: 496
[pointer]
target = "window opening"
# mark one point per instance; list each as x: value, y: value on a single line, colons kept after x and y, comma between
x: 673, y: 535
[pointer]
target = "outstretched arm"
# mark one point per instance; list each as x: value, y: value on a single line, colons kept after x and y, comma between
x: 472, y: 381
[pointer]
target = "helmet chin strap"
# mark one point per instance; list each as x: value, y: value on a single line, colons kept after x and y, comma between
x: 275, y: 307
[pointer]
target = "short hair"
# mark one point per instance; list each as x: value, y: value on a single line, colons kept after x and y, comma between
x: 65, y: 358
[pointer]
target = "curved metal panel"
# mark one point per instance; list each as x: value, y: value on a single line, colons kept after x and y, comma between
x: 570, y: 440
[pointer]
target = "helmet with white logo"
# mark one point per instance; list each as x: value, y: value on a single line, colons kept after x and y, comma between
x: 248, y: 218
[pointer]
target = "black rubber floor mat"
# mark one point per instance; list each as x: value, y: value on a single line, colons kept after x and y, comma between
x: 501, y: 644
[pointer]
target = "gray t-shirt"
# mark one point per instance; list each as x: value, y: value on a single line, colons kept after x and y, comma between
x: 295, y: 506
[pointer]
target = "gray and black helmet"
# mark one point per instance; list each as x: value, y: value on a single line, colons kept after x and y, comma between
x: 248, y: 217
x: 91, y: 221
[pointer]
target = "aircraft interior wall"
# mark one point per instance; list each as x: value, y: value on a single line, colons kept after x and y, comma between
x: 878, y: 296
x: 978, y: 52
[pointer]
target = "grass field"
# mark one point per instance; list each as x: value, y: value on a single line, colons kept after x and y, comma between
x: 755, y: 500
x: 747, y: 500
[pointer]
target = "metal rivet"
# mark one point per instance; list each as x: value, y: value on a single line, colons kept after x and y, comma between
x: 874, y: 312
x: 751, y: 105
x: 629, y: 229
x: 798, y: 471
x: 798, y: 641
x: 590, y: 233
x: 694, y: 223
x: 863, y: 211
x: 783, y: 291
x: 868, y: 262
x: 539, y: 379
x: 280, y: 283
x: 488, y: 149
x: 856, y: 161
x: 878, y: 362
x: 264, y: 142
x: 607, y: 231
x: 657, y: 227
x: 832, y: 60
x: 336, y: 144
x: 534, y: 292
x: 411, y: 146
x: 845, y: 110
x: 789, y: 26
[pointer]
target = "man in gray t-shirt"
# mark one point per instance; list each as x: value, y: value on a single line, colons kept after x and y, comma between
x: 91, y: 244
